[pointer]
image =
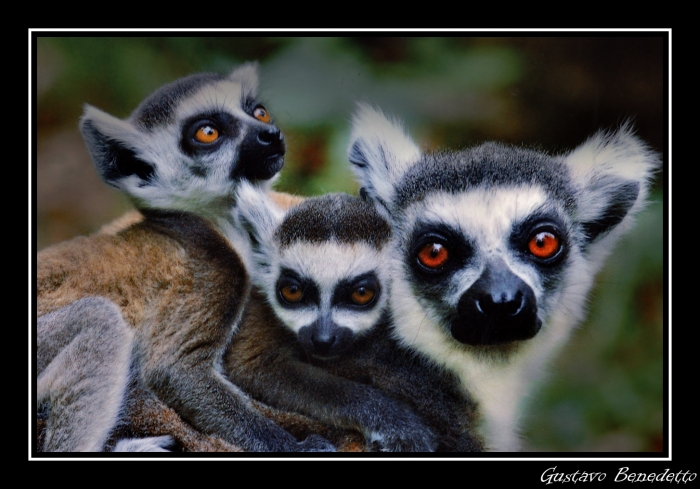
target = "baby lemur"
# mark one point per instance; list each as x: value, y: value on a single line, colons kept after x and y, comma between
x: 315, y: 337
x: 160, y: 299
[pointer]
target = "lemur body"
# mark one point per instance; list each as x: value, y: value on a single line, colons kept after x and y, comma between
x: 495, y: 249
x: 170, y: 285
x: 315, y: 343
x: 315, y: 337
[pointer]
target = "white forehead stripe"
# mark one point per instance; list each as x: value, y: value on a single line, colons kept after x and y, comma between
x: 481, y: 213
x: 326, y: 263
x: 224, y: 94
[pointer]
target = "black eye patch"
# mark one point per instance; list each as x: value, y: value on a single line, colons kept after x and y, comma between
x: 360, y: 292
x: 437, y: 250
x: 225, y: 125
x: 294, y: 291
x: 541, y: 239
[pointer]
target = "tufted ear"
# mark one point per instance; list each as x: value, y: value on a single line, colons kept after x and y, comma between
x: 111, y: 143
x: 380, y: 152
x: 612, y: 172
x: 259, y: 217
x: 247, y: 75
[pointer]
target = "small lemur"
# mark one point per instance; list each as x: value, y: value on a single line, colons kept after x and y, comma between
x: 494, y: 249
x: 160, y: 298
x: 315, y: 337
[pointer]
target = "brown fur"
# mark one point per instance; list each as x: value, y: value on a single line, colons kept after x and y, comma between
x: 160, y: 271
x: 148, y: 416
x: 284, y: 200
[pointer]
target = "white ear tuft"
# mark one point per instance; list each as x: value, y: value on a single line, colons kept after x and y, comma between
x: 612, y: 172
x: 381, y: 152
x: 248, y: 76
x: 256, y: 213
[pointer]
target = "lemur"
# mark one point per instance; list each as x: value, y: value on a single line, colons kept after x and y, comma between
x: 165, y: 293
x: 494, y: 249
x: 315, y: 336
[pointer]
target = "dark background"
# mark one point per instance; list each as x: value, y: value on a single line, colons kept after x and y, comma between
x: 605, y: 392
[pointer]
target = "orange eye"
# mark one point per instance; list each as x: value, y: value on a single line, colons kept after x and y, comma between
x: 206, y: 134
x: 362, y: 296
x: 291, y: 293
x: 261, y: 114
x: 544, y: 245
x: 433, y: 255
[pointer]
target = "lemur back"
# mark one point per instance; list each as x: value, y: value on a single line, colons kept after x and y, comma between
x: 495, y: 249
x: 316, y: 338
x: 169, y: 286
x: 315, y: 347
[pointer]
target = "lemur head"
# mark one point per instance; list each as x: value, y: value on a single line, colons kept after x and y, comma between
x: 496, y: 246
x: 189, y: 143
x: 320, y: 266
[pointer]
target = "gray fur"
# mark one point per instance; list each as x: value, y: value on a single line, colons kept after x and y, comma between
x: 337, y: 217
x: 158, y: 109
x: 83, y: 361
x: 397, y: 400
x: 495, y: 311
x: 153, y: 157
x: 173, y: 283
x: 488, y: 165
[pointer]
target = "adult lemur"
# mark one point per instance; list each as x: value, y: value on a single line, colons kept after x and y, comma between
x: 494, y: 249
x: 159, y: 300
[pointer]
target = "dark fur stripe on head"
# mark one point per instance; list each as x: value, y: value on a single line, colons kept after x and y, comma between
x: 490, y: 164
x: 158, y: 108
x: 338, y: 217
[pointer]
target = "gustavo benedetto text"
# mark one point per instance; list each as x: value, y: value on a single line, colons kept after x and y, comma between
x: 623, y: 474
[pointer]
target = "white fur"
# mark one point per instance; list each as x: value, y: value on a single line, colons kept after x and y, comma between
x: 255, y: 212
x: 382, y: 138
x: 150, y: 444
x: 176, y: 188
x: 326, y: 264
x: 498, y: 384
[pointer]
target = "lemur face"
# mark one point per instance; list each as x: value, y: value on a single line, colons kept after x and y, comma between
x: 188, y: 144
x: 321, y: 266
x: 495, y: 246
x: 328, y: 294
x: 485, y: 260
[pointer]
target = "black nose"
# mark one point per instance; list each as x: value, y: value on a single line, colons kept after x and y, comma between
x: 325, y: 339
x: 262, y: 154
x: 269, y: 136
x: 498, y: 308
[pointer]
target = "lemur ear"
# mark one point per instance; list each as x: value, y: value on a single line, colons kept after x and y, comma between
x: 247, y: 75
x: 111, y: 143
x: 612, y: 173
x: 380, y: 152
x: 259, y: 216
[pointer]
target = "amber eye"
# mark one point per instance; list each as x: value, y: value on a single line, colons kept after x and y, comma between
x: 433, y: 255
x: 206, y: 134
x: 362, y: 296
x: 544, y: 245
x: 261, y: 114
x: 291, y: 293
